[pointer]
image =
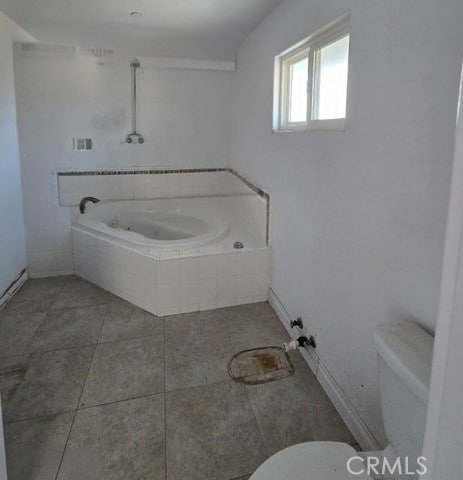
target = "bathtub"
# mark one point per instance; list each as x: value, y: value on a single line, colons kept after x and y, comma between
x: 143, y: 224
x: 178, y: 255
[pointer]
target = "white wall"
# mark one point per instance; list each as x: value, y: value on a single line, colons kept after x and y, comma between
x: 12, y: 242
x: 444, y: 428
x: 184, y: 116
x: 358, y: 216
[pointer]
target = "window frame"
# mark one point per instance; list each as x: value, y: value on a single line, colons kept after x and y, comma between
x: 306, y: 48
x: 285, y: 86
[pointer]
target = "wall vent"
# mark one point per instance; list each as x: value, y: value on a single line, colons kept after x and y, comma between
x: 82, y: 144
x: 101, y: 52
x: 102, y: 55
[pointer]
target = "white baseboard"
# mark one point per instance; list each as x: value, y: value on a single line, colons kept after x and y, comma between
x: 345, y: 409
x: 356, y: 425
x: 14, y: 287
x: 51, y: 273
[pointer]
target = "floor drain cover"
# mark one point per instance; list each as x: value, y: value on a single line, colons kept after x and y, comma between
x: 260, y: 365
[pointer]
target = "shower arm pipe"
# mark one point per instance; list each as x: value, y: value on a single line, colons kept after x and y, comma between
x: 134, y: 66
x: 134, y: 136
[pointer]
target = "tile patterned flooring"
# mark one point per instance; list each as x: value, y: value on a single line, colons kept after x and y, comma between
x: 94, y: 388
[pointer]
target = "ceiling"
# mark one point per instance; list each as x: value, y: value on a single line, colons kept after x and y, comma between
x: 204, y: 29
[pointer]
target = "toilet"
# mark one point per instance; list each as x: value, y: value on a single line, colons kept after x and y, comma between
x: 404, y: 357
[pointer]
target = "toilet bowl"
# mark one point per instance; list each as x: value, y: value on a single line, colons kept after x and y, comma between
x: 404, y: 361
x: 310, y: 461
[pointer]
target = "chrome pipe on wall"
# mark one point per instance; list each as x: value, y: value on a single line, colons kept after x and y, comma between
x: 134, y: 136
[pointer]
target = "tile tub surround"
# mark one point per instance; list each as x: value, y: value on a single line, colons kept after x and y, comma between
x: 180, y: 283
x: 49, y: 247
x: 141, y: 183
x: 167, y: 281
x: 150, y: 183
x: 161, y: 429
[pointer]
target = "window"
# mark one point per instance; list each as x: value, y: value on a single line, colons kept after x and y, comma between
x: 311, y: 81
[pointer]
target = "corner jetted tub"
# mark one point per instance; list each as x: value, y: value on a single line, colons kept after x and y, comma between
x: 174, y: 255
x: 141, y: 224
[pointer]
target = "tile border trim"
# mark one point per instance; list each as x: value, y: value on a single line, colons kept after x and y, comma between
x: 166, y: 171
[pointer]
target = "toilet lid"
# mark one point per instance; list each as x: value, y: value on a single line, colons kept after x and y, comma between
x: 312, y: 461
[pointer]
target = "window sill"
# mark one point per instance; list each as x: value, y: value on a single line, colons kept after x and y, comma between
x: 334, y: 125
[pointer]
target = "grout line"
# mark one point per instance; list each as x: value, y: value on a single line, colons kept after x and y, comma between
x: 77, y: 307
x: 66, y: 444
x: 65, y: 283
x: 78, y: 403
x: 120, y: 340
x: 26, y: 312
x: 89, y: 367
x: 200, y: 386
x: 24, y: 353
x: 165, y: 396
x: 75, y: 411
x: 28, y: 419
x: 249, y: 401
x: 100, y: 333
x: 84, y: 345
x: 89, y: 407
x: 84, y: 306
x: 259, y: 427
x: 60, y: 349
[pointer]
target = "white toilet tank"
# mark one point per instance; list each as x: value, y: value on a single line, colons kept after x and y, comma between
x: 405, y: 356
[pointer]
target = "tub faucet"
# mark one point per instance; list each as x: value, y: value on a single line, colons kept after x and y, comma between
x: 83, y: 203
